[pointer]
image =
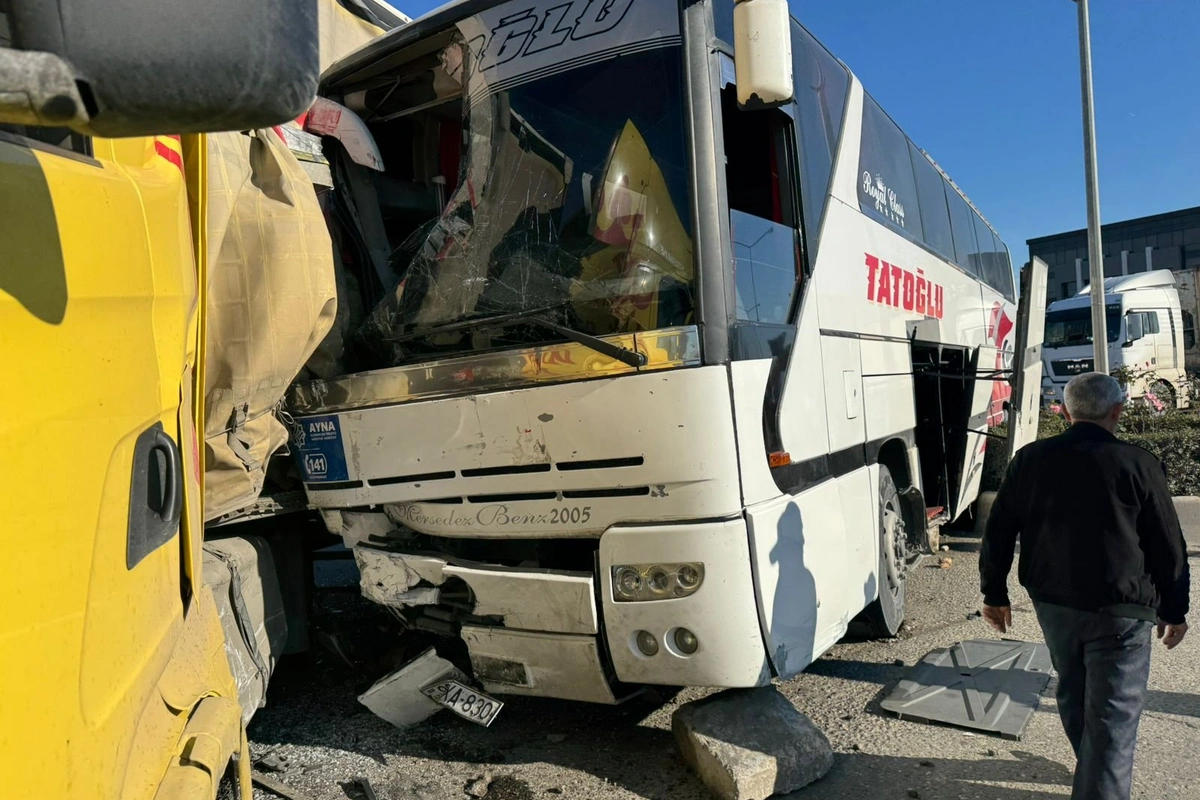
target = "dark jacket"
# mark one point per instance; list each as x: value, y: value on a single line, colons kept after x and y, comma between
x: 1098, y: 529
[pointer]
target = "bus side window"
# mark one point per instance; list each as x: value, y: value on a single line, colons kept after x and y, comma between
x: 762, y: 202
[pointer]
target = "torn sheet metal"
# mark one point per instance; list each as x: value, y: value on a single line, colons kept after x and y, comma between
x: 271, y: 302
x: 537, y: 600
x: 538, y: 664
x: 390, y: 579
x: 982, y: 684
x: 397, y: 697
x: 356, y: 526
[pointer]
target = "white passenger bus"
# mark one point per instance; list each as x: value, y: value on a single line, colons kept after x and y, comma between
x: 646, y: 388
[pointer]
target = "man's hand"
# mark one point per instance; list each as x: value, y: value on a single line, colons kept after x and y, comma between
x: 1000, y: 617
x: 1170, y: 634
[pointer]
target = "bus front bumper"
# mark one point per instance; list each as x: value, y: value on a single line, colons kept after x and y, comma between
x: 721, y: 616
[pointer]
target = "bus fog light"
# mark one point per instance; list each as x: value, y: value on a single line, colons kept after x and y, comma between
x: 636, y: 582
x: 627, y: 583
x: 686, y: 641
x: 647, y: 643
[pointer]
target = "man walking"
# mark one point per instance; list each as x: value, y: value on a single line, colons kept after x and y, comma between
x: 1103, y: 557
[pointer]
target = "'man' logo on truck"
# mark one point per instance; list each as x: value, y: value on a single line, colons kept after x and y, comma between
x: 890, y: 285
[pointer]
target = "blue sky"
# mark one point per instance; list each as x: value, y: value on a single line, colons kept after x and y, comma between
x: 991, y: 89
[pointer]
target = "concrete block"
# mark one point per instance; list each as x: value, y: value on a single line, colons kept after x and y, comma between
x: 749, y: 744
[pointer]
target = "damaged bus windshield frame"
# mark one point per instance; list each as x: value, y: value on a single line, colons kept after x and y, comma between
x: 572, y: 194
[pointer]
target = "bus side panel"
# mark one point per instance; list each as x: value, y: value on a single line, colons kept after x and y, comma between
x: 887, y: 389
x: 798, y: 546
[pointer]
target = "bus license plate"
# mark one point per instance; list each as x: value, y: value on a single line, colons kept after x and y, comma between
x: 468, y: 703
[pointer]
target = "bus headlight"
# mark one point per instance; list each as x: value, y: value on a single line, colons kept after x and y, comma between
x: 636, y: 582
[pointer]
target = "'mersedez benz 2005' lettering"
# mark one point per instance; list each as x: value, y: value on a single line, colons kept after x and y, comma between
x: 894, y: 286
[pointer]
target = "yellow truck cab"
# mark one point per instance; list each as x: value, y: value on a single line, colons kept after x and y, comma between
x: 114, y: 679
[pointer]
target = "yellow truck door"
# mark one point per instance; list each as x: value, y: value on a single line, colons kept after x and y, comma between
x: 97, y: 296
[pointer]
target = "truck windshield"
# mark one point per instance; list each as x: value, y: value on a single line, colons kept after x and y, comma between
x: 573, y: 197
x: 1074, y: 326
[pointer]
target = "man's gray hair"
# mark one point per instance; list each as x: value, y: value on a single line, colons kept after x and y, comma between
x: 1092, y: 395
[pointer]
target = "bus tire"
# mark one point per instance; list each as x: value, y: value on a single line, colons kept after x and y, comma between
x: 883, y: 617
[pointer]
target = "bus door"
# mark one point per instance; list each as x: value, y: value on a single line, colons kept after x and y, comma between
x: 1025, y: 403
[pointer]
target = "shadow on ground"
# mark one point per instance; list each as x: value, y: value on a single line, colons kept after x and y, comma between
x: 861, y: 775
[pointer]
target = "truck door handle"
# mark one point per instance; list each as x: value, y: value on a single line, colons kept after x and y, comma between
x: 172, y: 485
x: 155, y: 494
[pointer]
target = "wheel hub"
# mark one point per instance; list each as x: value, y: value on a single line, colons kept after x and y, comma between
x: 895, y: 542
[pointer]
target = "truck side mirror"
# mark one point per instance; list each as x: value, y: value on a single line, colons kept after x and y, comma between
x: 762, y: 53
x: 142, y: 67
x: 1133, y: 328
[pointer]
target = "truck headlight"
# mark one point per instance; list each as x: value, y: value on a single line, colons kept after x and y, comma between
x: 636, y: 582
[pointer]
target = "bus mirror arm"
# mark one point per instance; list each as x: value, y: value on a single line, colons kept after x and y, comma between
x: 40, y: 89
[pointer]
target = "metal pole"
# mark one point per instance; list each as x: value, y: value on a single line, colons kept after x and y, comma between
x: 1095, y: 246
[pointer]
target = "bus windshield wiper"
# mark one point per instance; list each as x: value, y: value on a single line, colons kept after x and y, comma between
x: 534, y: 316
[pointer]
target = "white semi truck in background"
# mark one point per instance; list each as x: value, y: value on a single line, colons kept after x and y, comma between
x: 1145, y: 334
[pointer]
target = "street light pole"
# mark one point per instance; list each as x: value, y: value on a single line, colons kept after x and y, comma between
x: 1095, y: 245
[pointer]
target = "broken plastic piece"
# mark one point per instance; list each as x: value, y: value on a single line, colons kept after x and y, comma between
x: 397, y: 697
x: 327, y: 118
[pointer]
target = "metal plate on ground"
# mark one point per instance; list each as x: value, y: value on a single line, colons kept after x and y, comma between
x: 982, y: 684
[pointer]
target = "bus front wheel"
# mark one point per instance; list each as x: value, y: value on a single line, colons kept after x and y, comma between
x: 885, y: 614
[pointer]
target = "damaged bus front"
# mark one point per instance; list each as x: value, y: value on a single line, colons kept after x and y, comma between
x: 526, y: 267
x: 589, y: 431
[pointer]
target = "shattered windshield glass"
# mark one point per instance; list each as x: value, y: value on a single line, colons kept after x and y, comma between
x: 571, y: 204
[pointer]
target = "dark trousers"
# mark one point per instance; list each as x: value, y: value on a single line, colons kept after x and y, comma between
x: 1103, y: 664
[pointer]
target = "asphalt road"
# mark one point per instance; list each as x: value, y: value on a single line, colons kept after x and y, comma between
x: 543, y: 749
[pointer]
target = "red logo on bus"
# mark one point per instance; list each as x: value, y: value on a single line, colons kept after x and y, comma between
x: 890, y: 285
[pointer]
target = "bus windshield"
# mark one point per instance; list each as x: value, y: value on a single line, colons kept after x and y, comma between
x: 1074, y: 326
x: 573, y: 206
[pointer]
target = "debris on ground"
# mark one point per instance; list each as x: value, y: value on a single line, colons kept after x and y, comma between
x: 913, y: 793
x: 927, y: 764
x: 367, y: 789
x: 945, y: 548
x: 506, y: 787
x: 478, y: 787
x: 983, y: 684
x: 397, y: 697
x: 945, y: 562
x: 272, y: 761
x: 556, y: 738
x: 279, y: 788
x: 749, y: 744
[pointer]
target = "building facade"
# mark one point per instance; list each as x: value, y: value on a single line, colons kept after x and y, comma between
x: 1163, y: 241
